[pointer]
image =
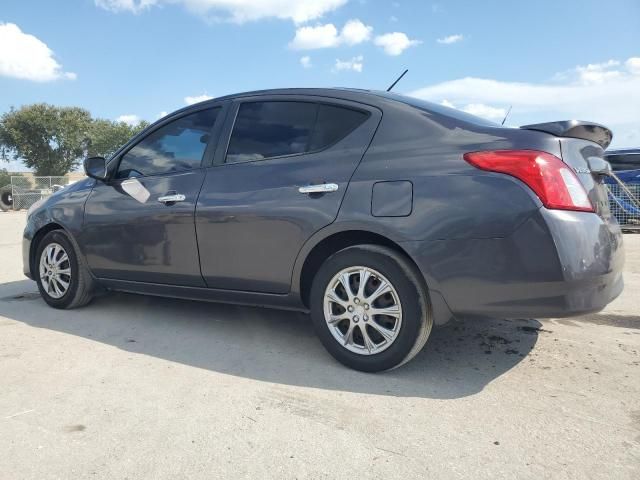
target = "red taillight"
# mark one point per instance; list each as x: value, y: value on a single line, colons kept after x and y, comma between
x: 549, y: 177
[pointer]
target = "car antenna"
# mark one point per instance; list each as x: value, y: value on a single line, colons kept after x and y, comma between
x: 397, y: 80
x: 505, y: 117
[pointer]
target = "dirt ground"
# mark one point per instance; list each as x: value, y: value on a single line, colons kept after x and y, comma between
x: 139, y: 387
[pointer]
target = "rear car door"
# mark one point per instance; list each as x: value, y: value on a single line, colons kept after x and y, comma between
x: 139, y: 226
x: 281, y: 178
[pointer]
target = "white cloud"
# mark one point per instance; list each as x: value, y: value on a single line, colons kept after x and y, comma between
x: 393, y: 18
x: 325, y: 36
x: 161, y: 115
x: 606, y: 93
x: 129, y: 119
x: 321, y: 36
x: 592, y: 73
x: 135, y: 6
x: 197, y: 99
x: 306, y: 62
x: 451, y: 39
x: 355, y: 64
x: 355, y: 32
x: 27, y: 57
x: 633, y: 65
x: 395, y: 43
x: 238, y: 11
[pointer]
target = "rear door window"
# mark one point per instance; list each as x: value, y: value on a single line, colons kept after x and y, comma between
x: 333, y: 124
x: 271, y: 129
x: 277, y: 128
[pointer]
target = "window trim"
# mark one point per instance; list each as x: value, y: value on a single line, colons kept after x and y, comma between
x: 316, y: 101
x: 207, y: 155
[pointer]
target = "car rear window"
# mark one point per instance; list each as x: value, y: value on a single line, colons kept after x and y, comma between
x: 277, y: 128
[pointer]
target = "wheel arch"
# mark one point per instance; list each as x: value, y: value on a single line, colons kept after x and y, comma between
x: 37, y: 238
x: 330, y: 243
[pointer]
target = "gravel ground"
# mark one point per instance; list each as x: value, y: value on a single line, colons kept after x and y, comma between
x: 135, y: 387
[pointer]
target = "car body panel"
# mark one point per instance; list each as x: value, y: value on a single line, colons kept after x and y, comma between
x: 148, y: 241
x: 556, y: 264
x: 63, y: 209
x: 251, y: 219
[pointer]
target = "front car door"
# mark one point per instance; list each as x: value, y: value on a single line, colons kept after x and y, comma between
x: 139, y: 226
x: 254, y: 213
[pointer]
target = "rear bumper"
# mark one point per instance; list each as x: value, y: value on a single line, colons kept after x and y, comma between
x: 556, y: 264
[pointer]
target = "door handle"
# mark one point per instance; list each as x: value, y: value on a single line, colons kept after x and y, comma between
x: 320, y: 188
x: 172, y: 198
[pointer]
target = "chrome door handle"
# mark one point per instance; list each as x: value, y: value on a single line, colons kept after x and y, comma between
x: 320, y: 188
x: 174, y: 197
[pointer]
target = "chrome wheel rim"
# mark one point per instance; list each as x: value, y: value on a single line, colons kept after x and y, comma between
x: 362, y: 310
x: 55, y: 270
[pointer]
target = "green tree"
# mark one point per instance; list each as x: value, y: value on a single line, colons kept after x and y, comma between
x: 105, y: 136
x: 5, y: 178
x: 51, y: 140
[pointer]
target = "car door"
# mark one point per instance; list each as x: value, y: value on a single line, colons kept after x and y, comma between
x: 280, y: 178
x: 139, y: 226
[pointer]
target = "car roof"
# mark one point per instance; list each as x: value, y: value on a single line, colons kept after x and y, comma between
x: 335, y: 92
x: 376, y: 98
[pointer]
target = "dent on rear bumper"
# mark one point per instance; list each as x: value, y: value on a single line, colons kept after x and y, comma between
x: 556, y: 264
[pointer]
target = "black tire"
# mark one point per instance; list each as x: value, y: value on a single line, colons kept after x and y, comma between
x: 80, y: 288
x: 6, y: 201
x: 417, y: 318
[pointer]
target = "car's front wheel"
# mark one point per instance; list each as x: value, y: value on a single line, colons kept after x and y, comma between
x: 62, y: 279
x: 370, y: 308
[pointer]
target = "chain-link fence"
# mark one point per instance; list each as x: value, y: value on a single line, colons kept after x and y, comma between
x: 624, y: 202
x: 27, y: 190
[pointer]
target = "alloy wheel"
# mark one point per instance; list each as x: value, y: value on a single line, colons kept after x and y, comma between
x: 55, y: 270
x: 362, y: 310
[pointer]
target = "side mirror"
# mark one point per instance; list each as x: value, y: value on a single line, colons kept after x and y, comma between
x: 96, y: 167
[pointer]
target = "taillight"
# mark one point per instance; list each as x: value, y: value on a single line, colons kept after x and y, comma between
x: 549, y: 177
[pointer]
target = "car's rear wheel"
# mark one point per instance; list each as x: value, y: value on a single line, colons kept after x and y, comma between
x: 62, y: 279
x: 370, y: 308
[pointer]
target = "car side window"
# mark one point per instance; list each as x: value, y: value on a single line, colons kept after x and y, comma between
x: 174, y: 147
x: 271, y: 129
x: 333, y: 124
x: 277, y: 128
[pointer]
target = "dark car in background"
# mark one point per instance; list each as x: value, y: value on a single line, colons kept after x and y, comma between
x: 377, y: 213
x: 623, y: 159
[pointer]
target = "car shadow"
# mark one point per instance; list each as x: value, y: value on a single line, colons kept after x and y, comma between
x: 460, y: 358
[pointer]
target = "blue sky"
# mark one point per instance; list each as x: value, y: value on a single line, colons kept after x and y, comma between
x: 135, y: 59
